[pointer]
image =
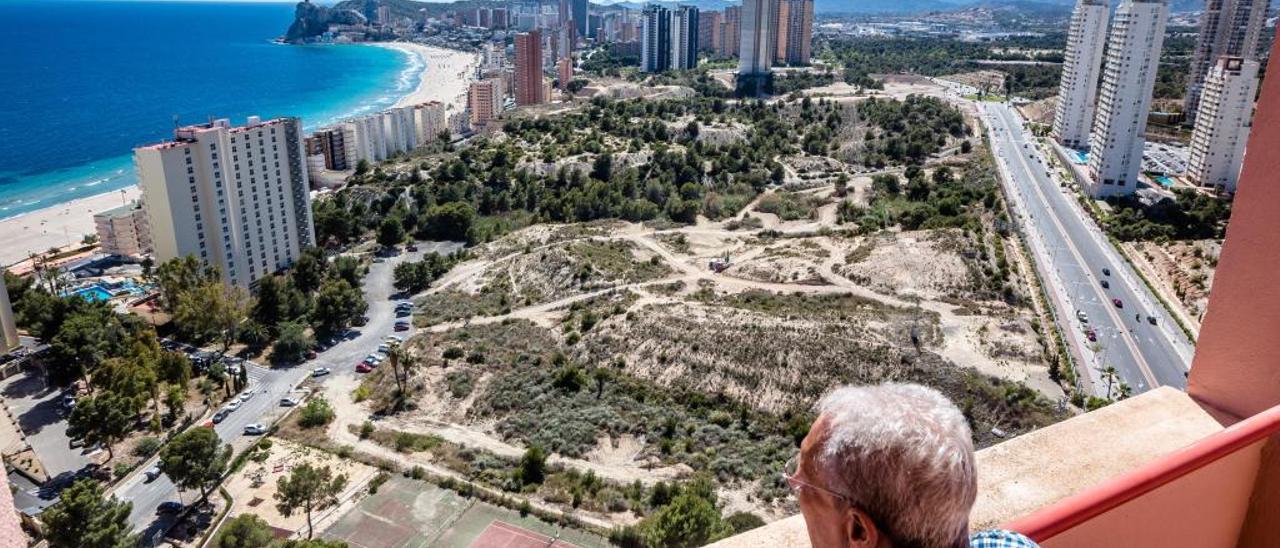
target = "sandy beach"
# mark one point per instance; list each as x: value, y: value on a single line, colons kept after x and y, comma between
x: 56, y: 226
x: 446, y: 78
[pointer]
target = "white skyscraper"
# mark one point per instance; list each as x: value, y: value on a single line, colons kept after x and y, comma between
x: 1078, y: 88
x: 1133, y: 56
x: 755, y: 56
x: 236, y: 198
x: 1228, y: 28
x: 1222, y: 126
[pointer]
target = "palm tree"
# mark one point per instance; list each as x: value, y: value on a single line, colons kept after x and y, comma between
x: 401, y: 364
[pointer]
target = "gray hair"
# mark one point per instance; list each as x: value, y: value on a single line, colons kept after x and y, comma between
x: 903, y: 454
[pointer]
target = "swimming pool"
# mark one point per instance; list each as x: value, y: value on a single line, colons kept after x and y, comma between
x: 1164, y: 181
x: 1081, y: 157
x: 102, y: 291
x: 93, y: 293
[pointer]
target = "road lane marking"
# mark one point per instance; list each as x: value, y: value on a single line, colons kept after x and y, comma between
x: 1131, y: 345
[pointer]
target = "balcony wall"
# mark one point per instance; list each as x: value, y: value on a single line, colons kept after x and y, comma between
x: 1041, y: 468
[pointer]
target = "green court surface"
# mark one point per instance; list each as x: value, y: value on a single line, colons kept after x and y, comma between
x: 415, y: 514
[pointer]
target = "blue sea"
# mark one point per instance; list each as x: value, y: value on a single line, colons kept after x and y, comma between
x: 83, y: 82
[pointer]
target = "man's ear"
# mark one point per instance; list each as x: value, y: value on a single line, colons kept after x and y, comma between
x: 861, y: 531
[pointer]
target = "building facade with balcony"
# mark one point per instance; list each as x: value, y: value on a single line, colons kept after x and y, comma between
x: 1128, y: 78
x: 1223, y: 124
x: 1078, y: 87
x: 236, y: 198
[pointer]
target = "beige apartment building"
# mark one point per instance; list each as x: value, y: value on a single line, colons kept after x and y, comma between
x: 236, y: 198
x: 124, y: 231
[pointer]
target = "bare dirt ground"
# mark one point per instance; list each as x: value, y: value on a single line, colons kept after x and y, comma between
x: 1182, y: 271
x: 253, y: 488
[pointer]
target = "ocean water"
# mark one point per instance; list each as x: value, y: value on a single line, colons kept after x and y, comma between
x: 84, y: 82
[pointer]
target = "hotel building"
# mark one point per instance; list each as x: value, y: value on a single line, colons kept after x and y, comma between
x: 1133, y: 57
x: 236, y: 198
x: 1078, y: 87
x: 1231, y: 28
x: 1222, y: 126
x: 124, y: 231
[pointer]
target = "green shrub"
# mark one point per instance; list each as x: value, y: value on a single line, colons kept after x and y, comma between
x: 317, y: 412
x: 146, y: 447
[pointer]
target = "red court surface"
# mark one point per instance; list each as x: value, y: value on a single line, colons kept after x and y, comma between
x: 500, y: 534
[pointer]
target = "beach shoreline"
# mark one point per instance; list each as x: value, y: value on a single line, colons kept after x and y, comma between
x: 445, y: 77
x: 68, y: 222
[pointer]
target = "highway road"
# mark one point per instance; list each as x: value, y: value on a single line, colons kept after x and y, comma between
x: 271, y: 384
x: 1073, y: 253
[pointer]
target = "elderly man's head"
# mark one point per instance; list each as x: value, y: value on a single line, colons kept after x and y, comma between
x: 888, y: 465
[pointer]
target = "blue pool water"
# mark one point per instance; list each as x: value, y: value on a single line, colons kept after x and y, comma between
x: 1081, y: 157
x: 1164, y: 181
x: 93, y: 293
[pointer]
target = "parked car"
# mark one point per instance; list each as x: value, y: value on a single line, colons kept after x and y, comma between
x: 413, y: 248
x: 220, y: 415
x: 1080, y: 315
x: 1106, y: 271
x: 372, y: 359
x: 255, y: 429
x: 384, y: 347
x: 1105, y: 284
x: 1118, y: 303
x: 288, y: 402
x: 363, y: 367
x: 360, y: 321
x: 1151, y: 320
x: 320, y: 371
x: 169, y: 507
x: 1091, y: 335
x: 394, y: 340
x: 311, y: 354
x: 246, y: 395
x: 151, y: 473
x: 232, y: 405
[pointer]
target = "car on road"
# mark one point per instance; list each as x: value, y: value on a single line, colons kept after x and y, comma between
x: 1106, y: 271
x: 320, y: 371
x: 151, y: 473
x: 68, y: 402
x: 169, y: 507
x: 232, y: 405
x: 1105, y: 284
x: 373, y: 359
x: 358, y: 322
x: 246, y: 395
x: 1080, y: 315
x: 384, y: 347
x: 394, y: 340
x: 1118, y: 303
x: 363, y: 367
x: 402, y: 325
x: 220, y: 415
x: 288, y: 402
x: 255, y: 429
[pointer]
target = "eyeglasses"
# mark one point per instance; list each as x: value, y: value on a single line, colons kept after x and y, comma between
x: 790, y: 472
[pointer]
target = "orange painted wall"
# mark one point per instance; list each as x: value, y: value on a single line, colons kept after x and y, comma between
x: 1237, y: 362
x: 1205, y: 509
